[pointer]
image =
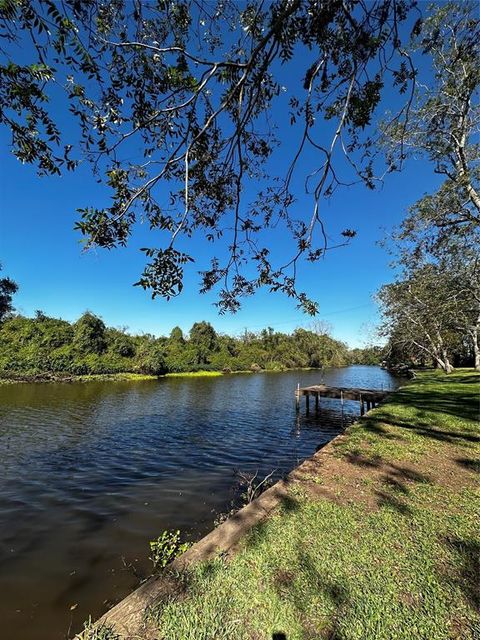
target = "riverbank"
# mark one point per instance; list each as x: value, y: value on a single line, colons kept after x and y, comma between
x: 107, y: 377
x: 56, y: 377
x: 376, y: 538
x: 134, y: 377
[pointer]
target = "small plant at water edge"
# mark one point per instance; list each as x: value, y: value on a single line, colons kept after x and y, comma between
x: 247, y: 488
x: 92, y: 631
x: 252, y: 486
x: 166, y: 548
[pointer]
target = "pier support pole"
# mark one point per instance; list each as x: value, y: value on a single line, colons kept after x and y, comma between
x: 307, y: 402
x: 316, y: 401
x: 362, y: 406
x: 297, y: 398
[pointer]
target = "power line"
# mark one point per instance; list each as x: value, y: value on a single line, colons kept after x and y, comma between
x: 293, y: 320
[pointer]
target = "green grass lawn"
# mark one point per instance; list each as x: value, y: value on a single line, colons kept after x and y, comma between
x: 378, y: 540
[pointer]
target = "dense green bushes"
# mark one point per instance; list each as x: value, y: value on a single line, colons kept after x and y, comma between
x: 42, y: 345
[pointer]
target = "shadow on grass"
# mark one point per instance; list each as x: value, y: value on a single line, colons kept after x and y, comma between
x: 444, y: 399
x: 394, y: 478
x: 393, y: 472
x: 470, y: 380
x: 289, y: 503
x: 421, y: 428
x: 289, y: 587
x: 385, y: 499
x: 469, y: 463
x: 468, y: 554
x: 259, y: 531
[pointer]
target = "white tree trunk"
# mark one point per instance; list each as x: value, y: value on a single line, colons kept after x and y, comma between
x: 476, y: 347
x: 443, y: 362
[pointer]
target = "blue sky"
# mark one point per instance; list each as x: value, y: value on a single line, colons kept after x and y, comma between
x: 40, y: 250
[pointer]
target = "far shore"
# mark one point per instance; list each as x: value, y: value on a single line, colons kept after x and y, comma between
x: 103, y: 377
x: 134, y: 377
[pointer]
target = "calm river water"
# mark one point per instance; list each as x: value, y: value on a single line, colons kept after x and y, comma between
x: 91, y: 472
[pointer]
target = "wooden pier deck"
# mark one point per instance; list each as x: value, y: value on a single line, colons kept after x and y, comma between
x: 368, y: 397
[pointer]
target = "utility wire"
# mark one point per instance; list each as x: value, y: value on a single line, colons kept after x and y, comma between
x: 293, y: 320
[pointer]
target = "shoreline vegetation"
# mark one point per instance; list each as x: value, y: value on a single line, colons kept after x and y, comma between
x: 138, y: 377
x: 377, y: 538
x: 109, y: 377
x: 42, y: 349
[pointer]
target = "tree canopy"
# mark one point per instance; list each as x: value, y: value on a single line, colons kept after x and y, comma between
x: 444, y: 127
x: 433, y: 308
x: 7, y: 290
x: 180, y: 107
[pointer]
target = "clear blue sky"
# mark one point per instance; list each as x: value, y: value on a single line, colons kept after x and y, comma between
x: 42, y: 253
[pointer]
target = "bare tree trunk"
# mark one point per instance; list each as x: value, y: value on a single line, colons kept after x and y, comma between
x: 447, y: 367
x: 438, y: 354
x: 476, y: 347
x: 441, y: 359
x: 443, y: 363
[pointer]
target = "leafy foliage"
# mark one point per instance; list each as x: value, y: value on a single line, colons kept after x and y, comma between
x: 197, y: 93
x: 7, y: 289
x: 43, y: 345
x: 443, y: 127
x: 432, y: 311
x: 89, y: 334
x: 166, y: 548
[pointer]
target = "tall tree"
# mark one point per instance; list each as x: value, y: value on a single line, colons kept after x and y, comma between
x: 198, y: 93
x: 462, y: 264
x: 435, y: 304
x: 203, y: 339
x: 89, y: 335
x: 418, y: 312
x: 444, y: 127
x: 176, y: 335
x: 7, y: 289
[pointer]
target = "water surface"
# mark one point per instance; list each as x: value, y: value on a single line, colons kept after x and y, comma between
x: 91, y: 472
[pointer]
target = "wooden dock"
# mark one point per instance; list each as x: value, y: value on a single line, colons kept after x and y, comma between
x: 368, y: 397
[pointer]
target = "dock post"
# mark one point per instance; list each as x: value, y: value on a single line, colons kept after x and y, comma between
x: 362, y: 406
x: 307, y: 402
x: 316, y: 401
x: 297, y: 398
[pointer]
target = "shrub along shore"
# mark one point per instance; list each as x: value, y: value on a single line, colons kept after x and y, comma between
x: 378, y: 539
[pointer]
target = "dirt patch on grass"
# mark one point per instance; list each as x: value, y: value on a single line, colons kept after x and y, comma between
x: 367, y: 478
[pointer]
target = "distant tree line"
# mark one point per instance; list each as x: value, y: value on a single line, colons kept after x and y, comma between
x: 45, y: 345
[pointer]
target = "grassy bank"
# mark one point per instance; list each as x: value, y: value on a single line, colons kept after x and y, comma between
x: 379, y: 538
x: 194, y: 374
